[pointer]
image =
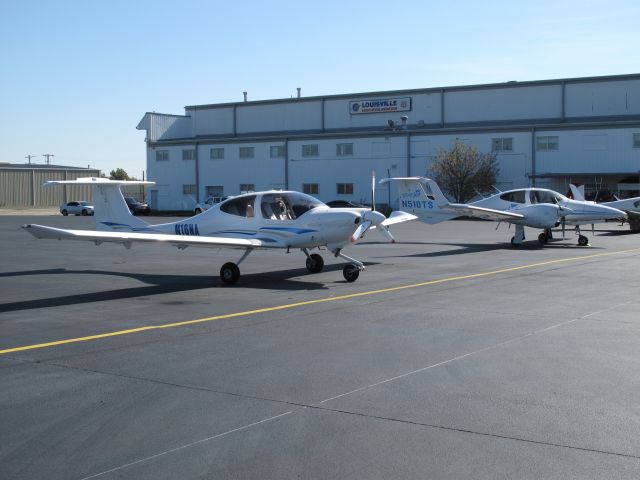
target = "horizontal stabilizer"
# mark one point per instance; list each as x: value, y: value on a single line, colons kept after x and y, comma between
x: 398, y: 217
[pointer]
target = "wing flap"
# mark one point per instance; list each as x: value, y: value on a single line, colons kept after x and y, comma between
x: 127, y: 238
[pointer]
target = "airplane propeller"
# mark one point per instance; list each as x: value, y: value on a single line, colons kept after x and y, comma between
x: 371, y: 217
x: 360, y: 231
x: 563, y: 212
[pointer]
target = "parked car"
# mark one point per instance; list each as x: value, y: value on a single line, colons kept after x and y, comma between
x: 345, y: 204
x: 76, y: 208
x: 207, y: 204
x: 137, y: 207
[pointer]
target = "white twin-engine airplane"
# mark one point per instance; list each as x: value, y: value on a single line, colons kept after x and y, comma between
x: 631, y: 206
x: 271, y: 219
x: 530, y: 207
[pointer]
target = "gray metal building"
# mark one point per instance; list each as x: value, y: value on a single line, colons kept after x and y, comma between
x: 21, y: 185
x: 547, y: 133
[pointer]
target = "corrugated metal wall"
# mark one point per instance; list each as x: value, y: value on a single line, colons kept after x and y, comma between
x: 23, y: 187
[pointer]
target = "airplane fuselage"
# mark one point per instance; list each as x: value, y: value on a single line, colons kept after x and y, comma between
x: 282, y: 218
x: 540, y: 208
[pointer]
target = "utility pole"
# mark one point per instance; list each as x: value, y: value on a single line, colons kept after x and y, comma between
x: 29, y: 157
x: 48, y: 155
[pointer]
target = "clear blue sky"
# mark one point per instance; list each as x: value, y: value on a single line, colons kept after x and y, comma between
x: 76, y: 77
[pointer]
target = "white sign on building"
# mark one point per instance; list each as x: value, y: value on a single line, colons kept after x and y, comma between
x: 380, y: 105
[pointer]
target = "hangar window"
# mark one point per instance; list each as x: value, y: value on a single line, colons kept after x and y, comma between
x: 162, y: 155
x: 189, y: 189
x: 247, y: 152
x: 502, y: 144
x: 636, y: 140
x: 344, y: 188
x: 277, y: 151
x: 310, y: 150
x: 247, y: 188
x: 516, y: 196
x: 216, y: 153
x: 310, y: 188
x: 188, y: 154
x: 344, y: 149
x: 547, y: 143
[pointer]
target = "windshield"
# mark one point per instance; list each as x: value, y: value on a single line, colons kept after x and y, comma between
x: 545, y: 196
x: 287, y: 206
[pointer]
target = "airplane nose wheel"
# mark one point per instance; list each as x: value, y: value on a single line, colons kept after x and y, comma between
x: 315, y: 263
x: 351, y: 273
x: 543, y: 238
x: 230, y: 273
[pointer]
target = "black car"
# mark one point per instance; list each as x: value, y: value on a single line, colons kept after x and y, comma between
x: 136, y: 207
x: 345, y: 204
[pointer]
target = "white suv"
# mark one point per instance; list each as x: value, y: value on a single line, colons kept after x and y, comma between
x: 207, y: 204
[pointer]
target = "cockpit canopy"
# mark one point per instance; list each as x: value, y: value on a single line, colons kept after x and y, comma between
x: 533, y: 196
x: 287, y: 205
x: 273, y: 206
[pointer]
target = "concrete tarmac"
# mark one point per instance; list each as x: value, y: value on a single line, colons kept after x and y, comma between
x: 453, y: 355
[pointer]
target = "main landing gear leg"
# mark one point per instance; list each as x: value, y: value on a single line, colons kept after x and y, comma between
x: 352, y: 271
x: 230, y: 273
x: 315, y: 263
x: 518, y: 238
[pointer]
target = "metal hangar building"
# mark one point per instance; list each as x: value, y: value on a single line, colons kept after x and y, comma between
x: 545, y: 133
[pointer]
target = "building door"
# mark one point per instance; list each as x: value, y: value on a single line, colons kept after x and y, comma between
x: 153, y: 200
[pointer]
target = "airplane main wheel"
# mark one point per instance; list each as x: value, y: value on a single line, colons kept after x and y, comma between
x: 350, y: 273
x: 229, y: 273
x: 583, y: 241
x: 543, y: 238
x: 315, y: 263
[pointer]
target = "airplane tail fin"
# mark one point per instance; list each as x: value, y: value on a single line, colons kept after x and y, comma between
x: 576, y: 192
x: 422, y: 196
x: 111, y: 211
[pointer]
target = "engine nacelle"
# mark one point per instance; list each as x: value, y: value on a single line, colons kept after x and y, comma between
x: 541, y: 215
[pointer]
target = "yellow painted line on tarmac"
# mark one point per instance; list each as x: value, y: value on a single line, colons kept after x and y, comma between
x: 310, y: 302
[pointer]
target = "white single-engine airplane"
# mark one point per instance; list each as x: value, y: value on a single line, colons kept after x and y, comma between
x: 530, y: 207
x: 271, y: 219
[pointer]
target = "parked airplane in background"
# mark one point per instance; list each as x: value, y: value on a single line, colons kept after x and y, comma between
x: 271, y: 219
x: 631, y: 206
x: 530, y: 207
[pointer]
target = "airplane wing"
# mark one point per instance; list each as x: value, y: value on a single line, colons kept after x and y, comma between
x: 481, y: 212
x: 127, y: 239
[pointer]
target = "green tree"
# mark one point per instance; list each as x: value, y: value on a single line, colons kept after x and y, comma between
x: 463, y: 171
x: 120, y: 174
